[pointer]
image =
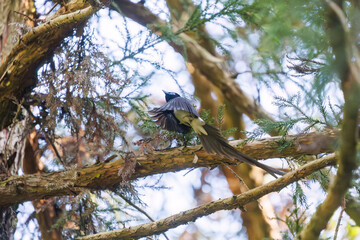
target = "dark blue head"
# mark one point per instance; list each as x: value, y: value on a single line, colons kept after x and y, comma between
x: 170, y: 95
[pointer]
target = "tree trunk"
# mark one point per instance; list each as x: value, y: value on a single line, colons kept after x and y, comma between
x: 47, y: 212
x: 11, y: 22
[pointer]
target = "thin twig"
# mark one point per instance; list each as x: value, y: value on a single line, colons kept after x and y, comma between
x: 242, y: 181
x: 237, y: 176
x: 339, y: 220
x: 52, y: 8
x: 30, y: 18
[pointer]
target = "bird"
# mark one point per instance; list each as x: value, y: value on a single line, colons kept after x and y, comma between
x: 179, y: 115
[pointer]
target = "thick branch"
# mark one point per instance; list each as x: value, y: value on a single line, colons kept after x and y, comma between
x: 214, y: 206
x: 18, y: 189
x: 18, y: 72
x: 348, y: 71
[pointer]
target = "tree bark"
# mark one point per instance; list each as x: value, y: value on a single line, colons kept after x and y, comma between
x: 18, y: 189
x: 12, y: 23
x: 236, y: 201
x: 19, y: 68
x: 46, y: 210
x: 24, y: 48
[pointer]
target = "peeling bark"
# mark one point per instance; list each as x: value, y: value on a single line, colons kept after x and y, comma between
x: 11, y: 24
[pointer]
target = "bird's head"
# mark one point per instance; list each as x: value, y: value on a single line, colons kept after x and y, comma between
x: 170, y: 95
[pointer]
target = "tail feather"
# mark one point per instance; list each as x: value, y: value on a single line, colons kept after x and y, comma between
x: 215, y: 143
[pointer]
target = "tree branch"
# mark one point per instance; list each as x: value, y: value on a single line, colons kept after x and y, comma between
x: 18, y: 189
x: 348, y: 71
x: 18, y: 72
x: 233, y: 202
x: 352, y: 209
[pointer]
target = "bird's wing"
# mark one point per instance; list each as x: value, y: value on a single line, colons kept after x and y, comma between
x: 179, y: 103
x: 164, y: 115
x: 168, y: 121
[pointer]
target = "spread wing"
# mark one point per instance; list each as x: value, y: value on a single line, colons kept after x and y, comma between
x: 179, y: 103
x: 164, y: 115
x: 168, y: 121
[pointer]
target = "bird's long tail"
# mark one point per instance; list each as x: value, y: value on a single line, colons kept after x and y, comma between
x: 213, y: 142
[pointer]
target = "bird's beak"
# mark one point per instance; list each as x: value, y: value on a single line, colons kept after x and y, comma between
x: 165, y: 92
